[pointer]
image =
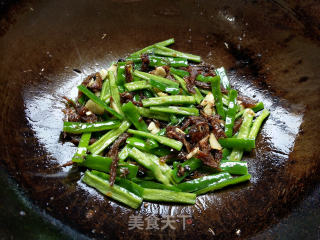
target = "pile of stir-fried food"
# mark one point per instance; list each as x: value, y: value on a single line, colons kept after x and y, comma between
x: 160, y: 126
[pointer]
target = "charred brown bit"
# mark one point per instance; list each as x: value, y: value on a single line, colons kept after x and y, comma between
x: 70, y: 102
x: 199, y: 129
x: 185, y: 124
x: 167, y: 69
x: 181, y: 171
x: 182, y: 155
x: 124, y: 172
x: 247, y: 102
x: 93, y: 82
x: 197, y: 140
x: 190, y: 81
x: 145, y: 63
x: 208, y: 159
x: 215, y: 125
x: 237, y: 125
x: 204, y: 85
x: 128, y: 72
x: 126, y: 97
x: 218, y: 155
x: 165, y: 158
x: 113, y: 153
x: 178, y: 134
x: 71, y: 115
x: 86, y: 115
x: 76, y: 113
x: 70, y: 163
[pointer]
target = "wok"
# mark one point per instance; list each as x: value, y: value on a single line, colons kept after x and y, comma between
x: 271, y: 50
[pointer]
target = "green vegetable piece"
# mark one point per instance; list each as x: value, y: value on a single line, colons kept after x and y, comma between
x: 98, y: 101
x: 138, y: 85
x: 151, y: 47
x: 164, y: 51
x: 188, y: 111
x: 190, y: 165
x: 237, y: 143
x: 224, y: 78
x: 116, y: 104
x: 216, y: 91
x: 145, y: 112
x: 202, y: 182
x: 103, y: 164
x: 163, y: 140
x: 159, y: 195
x: 78, y: 127
x: 234, y: 167
x: 108, y: 138
x: 82, y: 148
x: 223, y: 183
x: 257, y: 124
x: 121, y: 73
x: 115, y: 192
x: 132, y: 113
x: 231, y: 112
x: 146, y: 161
x: 168, y: 100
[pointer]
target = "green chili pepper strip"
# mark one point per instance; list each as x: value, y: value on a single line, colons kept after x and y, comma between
x: 198, y: 96
x: 216, y: 91
x: 155, y: 61
x: 122, y: 182
x: 223, y: 183
x: 124, y: 153
x: 103, y: 164
x: 234, y: 167
x: 138, y: 143
x: 238, y: 143
x: 82, y: 148
x: 202, y: 182
x: 177, y: 110
x: 148, y: 76
x: 134, y: 116
x: 105, y: 91
x: 145, y: 112
x: 257, y: 124
x: 98, y: 101
x: 231, y: 112
x: 163, y: 140
x: 116, y: 104
x: 239, y: 114
x: 179, y: 72
x: 224, y: 78
x: 159, y: 195
x: 115, y: 192
x: 259, y: 106
x: 138, y: 85
x: 164, y: 51
x: 121, y: 73
x: 168, y: 100
x: 108, y: 138
x: 161, y: 151
x: 191, y: 164
x: 150, y: 48
x: 145, y: 160
x: 243, y: 133
x: 155, y: 185
x: 78, y: 127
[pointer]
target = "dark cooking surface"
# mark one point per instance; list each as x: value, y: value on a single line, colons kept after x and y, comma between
x: 271, y: 50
